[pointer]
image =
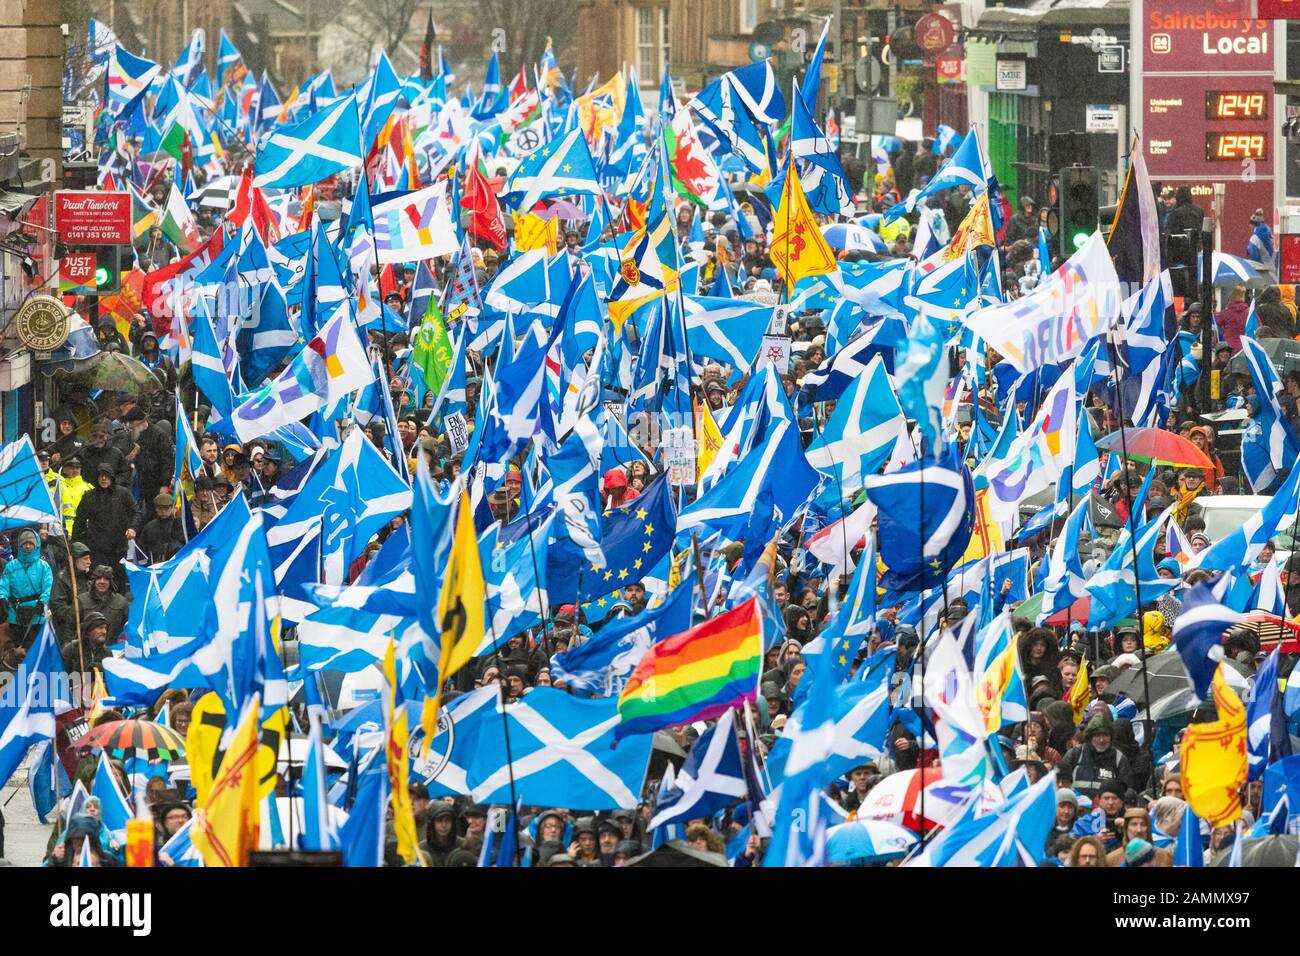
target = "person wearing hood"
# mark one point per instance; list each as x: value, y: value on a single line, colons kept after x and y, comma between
x: 1096, y: 761
x: 789, y: 649
x: 74, y: 489
x: 1141, y: 766
x: 82, y: 829
x: 1155, y: 634
x: 155, y: 457
x: 103, y: 518
x: 901, y: 752
x: 797, y: 624
x: 440, y: 839
x: 103, y: 597
x: 161, y: 534
x: 1039, y: 657
x: 100, y: 451
x: 155, y: 360
x: 64, y: 605
x: 25, y: 586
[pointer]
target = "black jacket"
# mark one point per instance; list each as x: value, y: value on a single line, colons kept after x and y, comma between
x: 1185, y: 217
x: 1086, y: 770
x: 102, y: 519
x: 156, y: 459
x: 62, y: 606
x: 161, y: 538
x: 110, y: 455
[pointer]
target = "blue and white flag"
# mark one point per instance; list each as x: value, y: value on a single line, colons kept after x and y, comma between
x: 114, y: 809
x: 564, y: 169
x: 37, y: 692
x: 47, y: 780
x: 1269, y: 444
x: 601, y: 665
x: 729, y: 330
x: 301, y: 154
x: 964, y: 168
x: 823, y: 178
x: 923, y: 373
x: 1199, y: 630
x: 1242, y: 545
x: 180, y: 850
x: 1267, y: 737
x: 711, y: 779
x: 1066, y: 581
x: 24, y: 495
x: 860, y: 435
x: 1189, y: 851
x: 318, y: 831
x: 561, y: 754
x: 1013, y: 834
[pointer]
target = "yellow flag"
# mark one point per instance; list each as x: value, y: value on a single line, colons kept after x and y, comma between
x: 203, y: 741
x: 992, y: 687
x: 708, y: 438
x: 398, y: 760
x: 1213, y: 760
x: 534, y: 232
x: 97, y: 694
x: 1080, y: 692
x: 226, y: 823
x: 601, y: 108
x: 798, y: 247
x: 976, y: 230
x: 460, y: 612
x: 987, y: 536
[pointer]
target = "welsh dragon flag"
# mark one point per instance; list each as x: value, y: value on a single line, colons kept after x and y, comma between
x: 178, y: 223
x: 695, y: 175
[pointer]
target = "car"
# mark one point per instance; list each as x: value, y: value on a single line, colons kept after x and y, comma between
x: 1224, y: 514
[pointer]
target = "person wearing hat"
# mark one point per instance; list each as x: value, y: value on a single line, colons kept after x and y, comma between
x: 108, y: 337
x: 616, y: 490
x: 152, y: 358
x: 100, y: 451
x: 1127, y: 638
x: 475, y: 817
x: 25, y: 586
x: 625, y: 851
x: 103, y: 518
x: 1095, y: 763
x: 104, y: 597
x: 1067, y: 812
x: 70, y: 588
x: 91, y: 649
x: 74, y: 488
x: 608, y: 836
x: 163, y: 534
x: 490, y: 259
x: 155, y: 457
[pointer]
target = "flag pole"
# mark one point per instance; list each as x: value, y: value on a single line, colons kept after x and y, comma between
x: 532, y: 550
x: 505, y: 730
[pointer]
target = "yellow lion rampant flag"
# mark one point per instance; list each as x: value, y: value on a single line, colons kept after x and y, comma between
x: 226, y: 824
x: 1214, y: 759
x: 798, y: 247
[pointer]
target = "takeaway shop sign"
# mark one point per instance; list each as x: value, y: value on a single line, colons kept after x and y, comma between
x: 88, y: 218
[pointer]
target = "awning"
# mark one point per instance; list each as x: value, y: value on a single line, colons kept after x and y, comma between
x: 15, y: 204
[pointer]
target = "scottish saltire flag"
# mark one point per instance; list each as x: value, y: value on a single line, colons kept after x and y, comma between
x: 515, y: 577
x: 350, y: 493
x: 1269, y: 444
x: 24, y: 495
x: 302, y: 154
x: 1199, y: 630
x: 726, y: 111
x: 345, y: 633
x: 1013, y: 834
x: 729, y: 330
x: 922, y: 370
x: 711, y: 779
x: 1066, y: 581
x: 1267, y: 737
x: 47, y: 780
x: 413, y: 226
x: 377, y: 97
x: 842, y: 638
x: 113, y: 805
x: 862, y: 717
x: 945, y: 137
x: 129, y: 77
x: 38, y: 691
x: 799, y: 829
x: 822, y: 177
x: 860, y: 435
x: 179, y: 850
x: 1269, y: 595
x: 562, y: 753
x: 189, y: 64
x: 1114, y: 588
x: 558, y: 169
x: 964, y: 168
x: 1188, y: 851
x: 926, y: 518
x: 318, y: 830
x: 830, y: 379
x: 330, y: 366
x: 1240, y: 547
x: 362, y: 836
x: 601, y: 665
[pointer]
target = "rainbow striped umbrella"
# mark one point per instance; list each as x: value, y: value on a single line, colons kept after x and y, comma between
x: 155, y: 741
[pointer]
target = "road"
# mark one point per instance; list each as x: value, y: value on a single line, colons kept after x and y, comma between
x: 25, y: 836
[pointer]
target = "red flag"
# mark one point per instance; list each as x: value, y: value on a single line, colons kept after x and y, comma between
x: 387, y: 282
x: 250, y: 201
x: 518, y: 86
x: 480, y: 199
x: 154, y: 291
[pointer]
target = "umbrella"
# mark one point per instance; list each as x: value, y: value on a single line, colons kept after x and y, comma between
x: 1269, y: 630
x: 563, y: 209
x: 295, y: 750
x: 1170, y: 687
x: 114, y: 372
x: 897, y: 799
x: 1263, y: 851
x: 851, y: 237
x: 158, y: 741
x: 676, y: 853
x: 867, y: 841
x: 1283, y: 353
x: 1156, y: 446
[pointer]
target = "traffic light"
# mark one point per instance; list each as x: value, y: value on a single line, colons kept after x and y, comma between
x: 1077, y: 197
x: 108, y: 269
x: 1181, y: 254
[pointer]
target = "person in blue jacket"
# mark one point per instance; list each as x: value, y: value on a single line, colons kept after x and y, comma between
x: 25, y: 588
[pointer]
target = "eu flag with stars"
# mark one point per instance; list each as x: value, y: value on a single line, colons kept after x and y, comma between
x: 635, y: 536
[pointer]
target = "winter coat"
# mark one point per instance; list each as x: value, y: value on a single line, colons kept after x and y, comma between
x: 115, y: 608
x: 161, y: 538
x: 26, y: 580
x: 156, y: 460
x: 92, y: 458
x: 62, y: 605
x: 102, y: 520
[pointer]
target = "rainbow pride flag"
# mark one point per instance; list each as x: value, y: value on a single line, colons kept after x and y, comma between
x: 695, y: 675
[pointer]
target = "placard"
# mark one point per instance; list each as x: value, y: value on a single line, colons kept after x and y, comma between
x: 775, y: 350
x: 77, y: 273
x: 680, y: 453
x: 457, y: 432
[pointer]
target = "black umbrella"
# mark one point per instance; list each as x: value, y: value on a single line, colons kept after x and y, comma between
x: 1170, y: 687
x: 679, y: 853
x: 1283, y: 353
x: 1276, y: 851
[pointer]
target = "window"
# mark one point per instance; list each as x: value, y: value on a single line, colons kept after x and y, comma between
x: 748, y: 15
x: 648, y: 47
x: 652, y: 41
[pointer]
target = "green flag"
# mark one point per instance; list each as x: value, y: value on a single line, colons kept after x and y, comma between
x: 431, y: 349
